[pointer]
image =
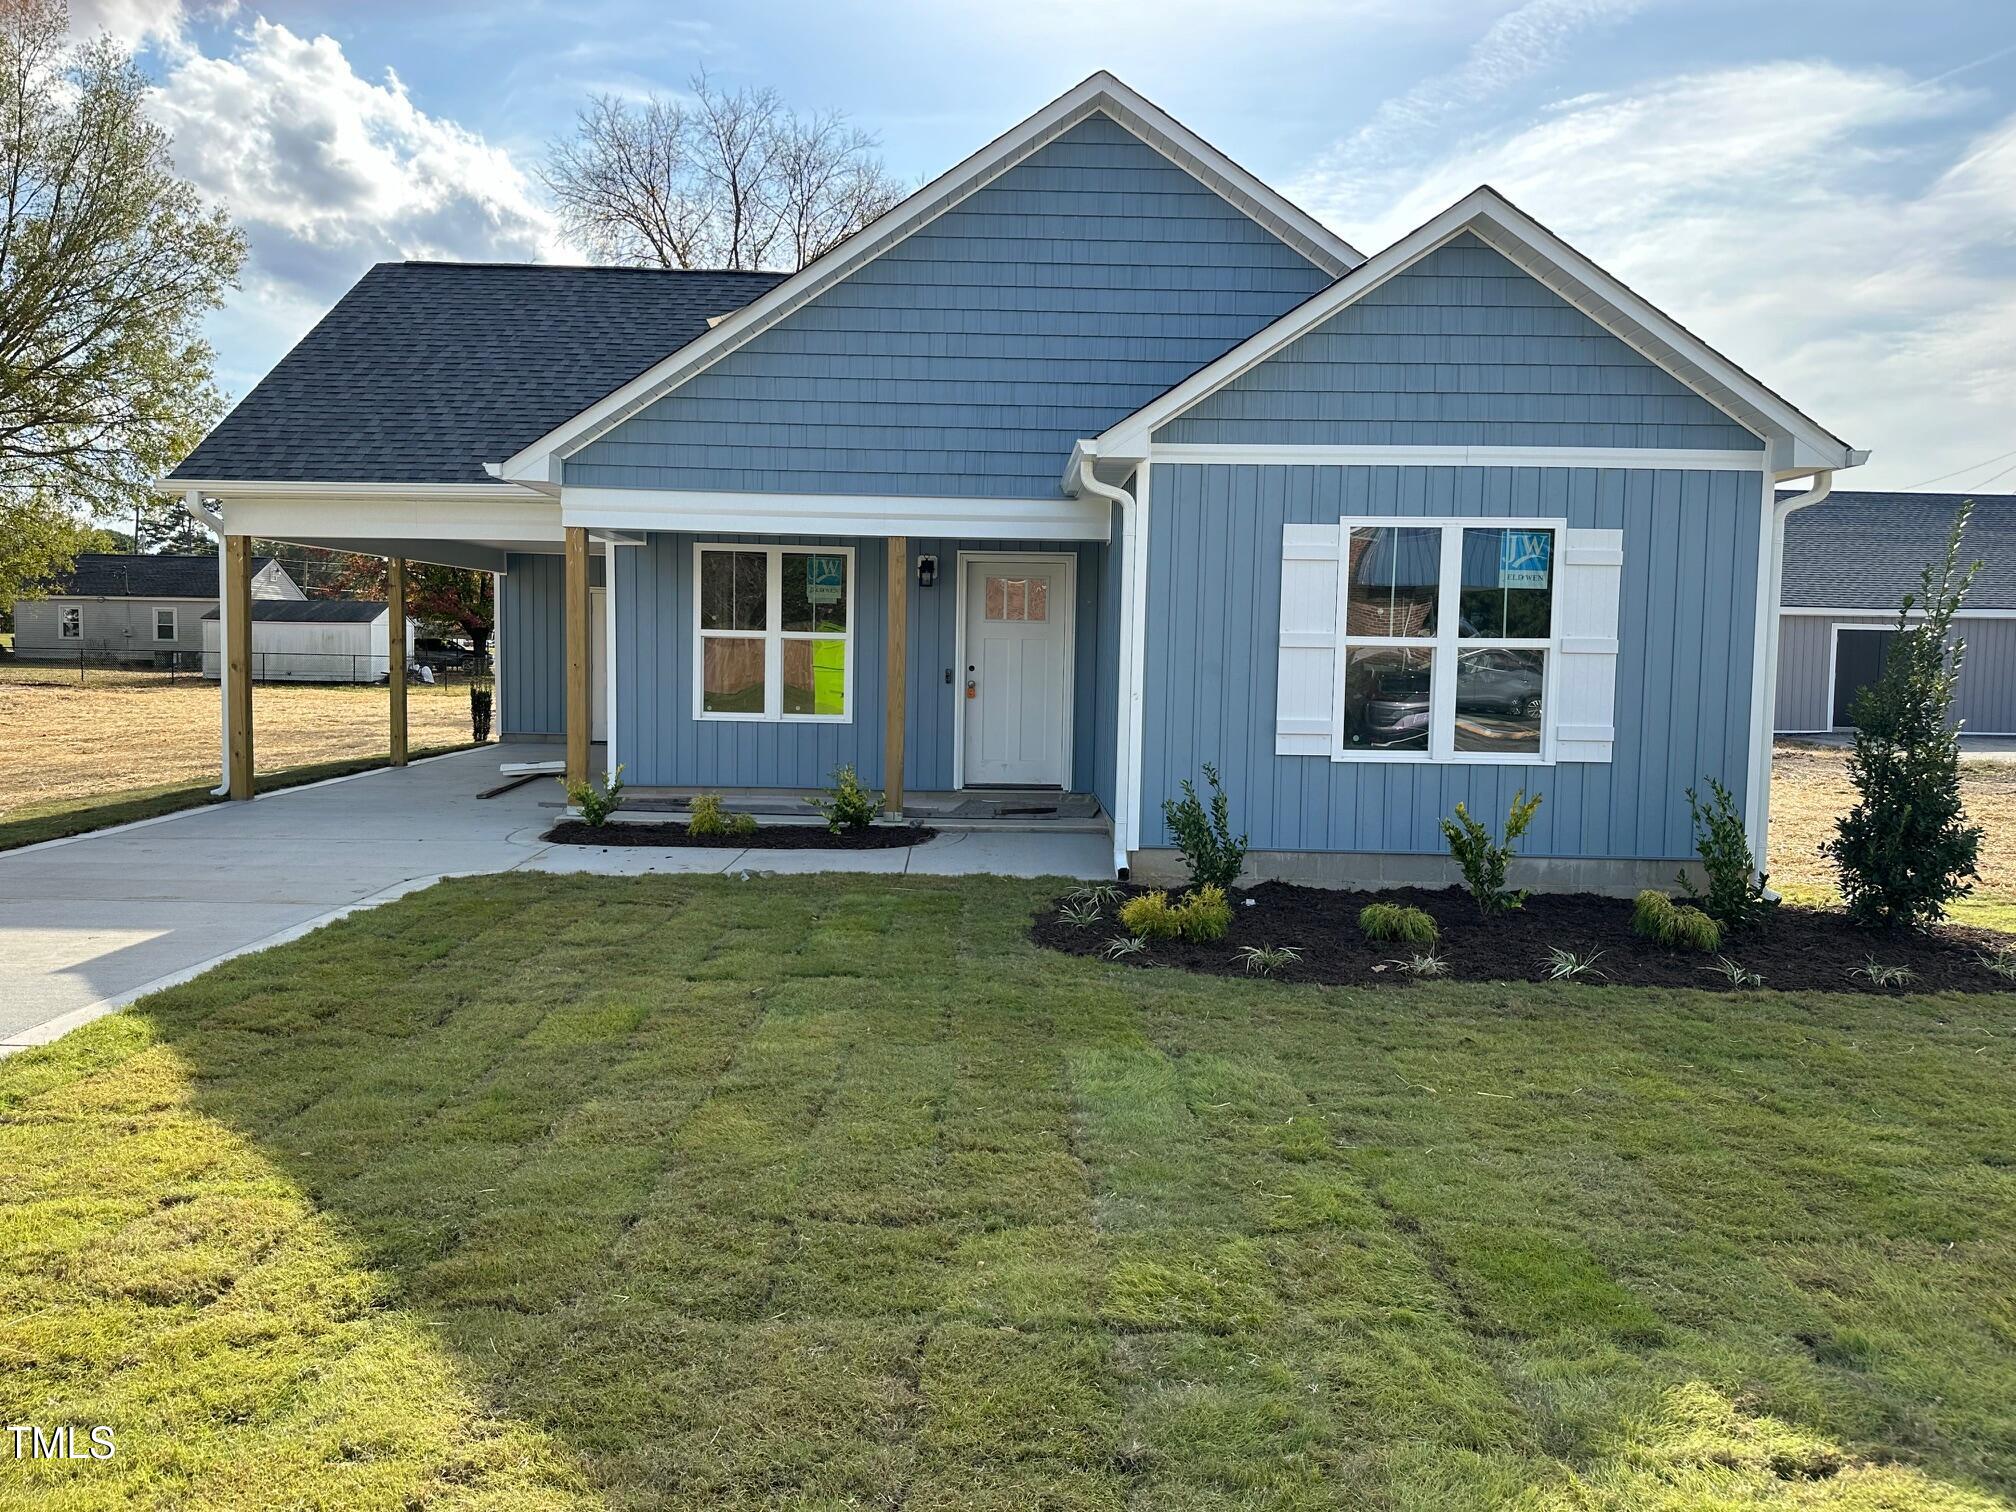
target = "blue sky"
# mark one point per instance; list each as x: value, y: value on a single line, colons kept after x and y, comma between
x: 1825, y: 189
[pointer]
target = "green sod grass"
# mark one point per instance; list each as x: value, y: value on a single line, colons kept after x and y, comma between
x: 33, y: 822
x: 833, y: 1192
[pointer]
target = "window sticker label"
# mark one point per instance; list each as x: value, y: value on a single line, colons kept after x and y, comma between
x: 1523, y: 558
x: 824, y: 579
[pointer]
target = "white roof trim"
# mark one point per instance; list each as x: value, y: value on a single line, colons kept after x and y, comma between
x: 537, y: 463
x: 1794, y: 439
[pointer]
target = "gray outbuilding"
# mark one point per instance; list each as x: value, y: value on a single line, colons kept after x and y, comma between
x: 1848, y: 564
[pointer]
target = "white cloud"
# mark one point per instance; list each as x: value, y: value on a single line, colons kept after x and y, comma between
x: 1839, y: 232
x: 328, y: 172
x: 132, y: 23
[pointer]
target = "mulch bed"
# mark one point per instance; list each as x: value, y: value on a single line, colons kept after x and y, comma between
x: 766, y: 837
x: 1798, y: 949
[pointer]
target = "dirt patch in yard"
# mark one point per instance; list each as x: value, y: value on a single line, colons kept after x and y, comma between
x: 766, y: 837
x: 1798, y: 949
x: 62, y: 742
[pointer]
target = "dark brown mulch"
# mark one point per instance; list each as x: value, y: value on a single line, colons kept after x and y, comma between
x: 1798, y: 949
x: 766, y: 837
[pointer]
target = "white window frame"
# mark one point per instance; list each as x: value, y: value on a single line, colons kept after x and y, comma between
x: 1445, y: 644
x: 773, y: 635
x: 174, y: 623
x: 70, y: 622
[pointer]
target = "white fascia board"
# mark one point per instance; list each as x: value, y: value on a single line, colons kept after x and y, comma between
x: 1886, y: 616
x: 1665, y: 459
x: 1544, y: 256
x: 537, y: 463
x: 397, y: 514
x: 976, y: 519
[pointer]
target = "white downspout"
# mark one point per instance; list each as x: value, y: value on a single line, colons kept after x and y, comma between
x: 1765, y: 707
x: 192, y: 504
x: 1124, y: 798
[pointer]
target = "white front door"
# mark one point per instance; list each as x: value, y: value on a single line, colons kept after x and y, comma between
x: 1015, y: 688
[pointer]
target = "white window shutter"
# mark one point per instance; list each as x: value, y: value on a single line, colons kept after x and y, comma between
x: 1585, y: 685
x: 1306, y: 691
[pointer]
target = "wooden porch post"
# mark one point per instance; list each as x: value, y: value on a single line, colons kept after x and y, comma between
x: 899, y: 663
x: 238, y: 661
x: 580, y: 711
x: 395, y: 651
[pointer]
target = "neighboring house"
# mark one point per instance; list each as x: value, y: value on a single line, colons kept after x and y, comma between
x: 312, y: 640
x: 132, y: 608
x: 1848, y: 565
x: 1147, y: 467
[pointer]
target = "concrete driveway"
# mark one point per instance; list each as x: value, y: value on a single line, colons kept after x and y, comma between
x: 90, y: 923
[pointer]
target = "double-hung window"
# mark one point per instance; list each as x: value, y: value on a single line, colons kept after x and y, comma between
x: 773, y: 634
x: 70, y: 623
x: 164, y: 624
x: 1445, y: 639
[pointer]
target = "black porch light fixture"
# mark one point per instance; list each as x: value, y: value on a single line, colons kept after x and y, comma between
x: 927, y: 571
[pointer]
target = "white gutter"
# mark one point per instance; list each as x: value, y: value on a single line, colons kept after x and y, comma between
x: 193, y: 506
x: 1770, y: 604
x: 1081, y: 477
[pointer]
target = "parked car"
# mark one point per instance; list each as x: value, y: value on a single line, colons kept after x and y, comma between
x: 447, y: 655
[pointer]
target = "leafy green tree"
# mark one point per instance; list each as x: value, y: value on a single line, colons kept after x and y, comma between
x: 39, y: 541
x: 1906, y: 849
x: 109, y: 261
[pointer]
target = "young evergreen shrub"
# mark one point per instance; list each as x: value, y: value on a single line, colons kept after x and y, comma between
x: 847, y: 805
x: 1735, y: 898
x: 596, y: 804
x: 1658, y: 918
x: 1483, y: 859
x: 709, y: 817
x: 1396, y: 921
x: 1906, y: 849
x: 1203, y: 915
x: 1211, y: 851
x: 1149, y: 916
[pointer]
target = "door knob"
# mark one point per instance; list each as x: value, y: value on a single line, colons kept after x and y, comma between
x: 972, y: 688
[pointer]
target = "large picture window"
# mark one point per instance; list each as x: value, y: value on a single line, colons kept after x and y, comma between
x: 1445, y: 633
x: 774, y: 632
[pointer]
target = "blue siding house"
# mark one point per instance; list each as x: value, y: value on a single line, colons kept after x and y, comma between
x: 1091, y: 463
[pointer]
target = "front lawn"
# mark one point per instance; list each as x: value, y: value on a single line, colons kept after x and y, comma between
x: 835, y: 1191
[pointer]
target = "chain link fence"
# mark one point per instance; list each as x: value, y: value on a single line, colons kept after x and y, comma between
x: 85, y: 668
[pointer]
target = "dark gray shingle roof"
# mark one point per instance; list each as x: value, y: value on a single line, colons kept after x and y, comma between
x: 425, y: 371
x: 107, y: 574
x: 312, y: 612
x: 1865, y: 550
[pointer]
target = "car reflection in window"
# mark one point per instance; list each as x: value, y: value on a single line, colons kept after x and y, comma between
x: 1499, y: 700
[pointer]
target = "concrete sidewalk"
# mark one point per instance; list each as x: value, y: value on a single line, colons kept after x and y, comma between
x: 90, y: 923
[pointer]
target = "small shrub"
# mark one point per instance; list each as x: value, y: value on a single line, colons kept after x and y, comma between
x: 481, y: 702
x: 1265, y: 960
x: 2001, y: 960
x: 1737, y: 975
x: 847, y: 805
x: 596, y: 804
x: 1876, y: 974
x: 1736, y: 897
x: 1396, y: 921
x: 1209, y: 849
x: 1425, y: 964
x: 1483, y: 859
x: 1099, y: 894
x: 1564, y: 964
x: 1203, y: 915
x: 1080, y: 915
x: 1123, y: 945
x: 1657, y: 917
x: 1906, y: 849
x: 708, y: 817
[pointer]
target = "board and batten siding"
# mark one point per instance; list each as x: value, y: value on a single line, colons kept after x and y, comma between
x: 661, y: 744
x: 1463, y: 348
x: 532, y: 643
x: 1686, y: 625
x: 1984, y: 701
x: 967, y: 358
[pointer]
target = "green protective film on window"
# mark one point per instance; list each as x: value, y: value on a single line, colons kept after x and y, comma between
x: 815, y: 677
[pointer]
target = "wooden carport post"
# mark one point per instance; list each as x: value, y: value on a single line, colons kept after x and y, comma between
x: 580, y: 710
x: 899, y: 664
x: 238, y: 661
x: 395, y: 652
